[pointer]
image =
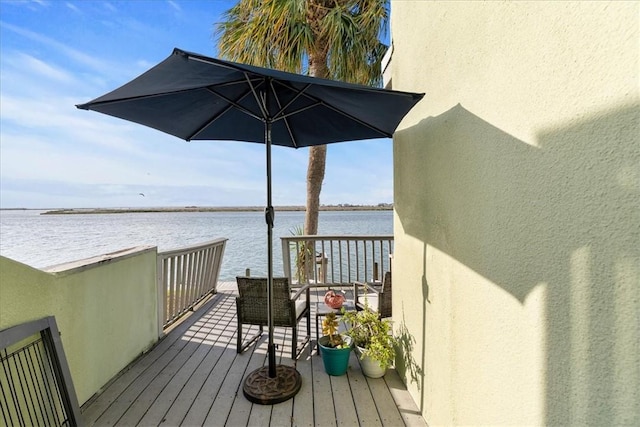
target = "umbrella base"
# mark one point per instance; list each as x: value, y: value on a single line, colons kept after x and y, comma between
x: 260, y: 388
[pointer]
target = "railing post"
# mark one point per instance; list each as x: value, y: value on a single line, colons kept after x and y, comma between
x: 220, y: 253
x: 286, y: 259
x: 322, y: 270
x: 162, y: 292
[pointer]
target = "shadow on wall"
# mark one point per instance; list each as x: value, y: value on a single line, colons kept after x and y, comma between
x: 405, y: 362
x: 567, y: 214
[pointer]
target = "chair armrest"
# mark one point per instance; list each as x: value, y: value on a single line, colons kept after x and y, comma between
x: 299, y: 292
x: 369, y: 286
x: 366, y: 286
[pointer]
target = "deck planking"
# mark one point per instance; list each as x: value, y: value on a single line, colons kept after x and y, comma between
x: 194, y: 377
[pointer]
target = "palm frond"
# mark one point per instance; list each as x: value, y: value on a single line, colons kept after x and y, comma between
x: 286, y: 34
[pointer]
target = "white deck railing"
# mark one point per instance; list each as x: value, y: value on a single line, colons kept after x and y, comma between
x: 186, y: 276
x: 336, y: 260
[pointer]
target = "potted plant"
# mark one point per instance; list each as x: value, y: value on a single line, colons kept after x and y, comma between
x: 373, y: 341
x: 303, y: 256
x: 335, y: 348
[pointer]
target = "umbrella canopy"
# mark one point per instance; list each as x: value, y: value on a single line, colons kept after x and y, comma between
x: 195, y: 97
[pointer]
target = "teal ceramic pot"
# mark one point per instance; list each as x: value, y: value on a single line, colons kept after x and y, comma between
x: 335, y: 360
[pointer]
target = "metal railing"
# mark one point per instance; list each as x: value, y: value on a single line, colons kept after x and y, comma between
x: 35, y: 382
x: 186, y: 276
x: 336, y: 260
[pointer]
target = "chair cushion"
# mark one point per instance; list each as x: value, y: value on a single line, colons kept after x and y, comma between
x: 300, y: 306
x: 371, y: 299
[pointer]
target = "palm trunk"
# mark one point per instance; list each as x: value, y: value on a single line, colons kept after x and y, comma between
x: 315, y: 176
x: 317, y: 156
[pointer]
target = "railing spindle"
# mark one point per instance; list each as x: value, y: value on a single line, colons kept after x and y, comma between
x: 349, y: 258
x: 188, y: 275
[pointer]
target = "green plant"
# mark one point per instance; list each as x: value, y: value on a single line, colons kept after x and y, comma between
x: 304, y: 256
x: 330, y: 329
x: 371, y: 334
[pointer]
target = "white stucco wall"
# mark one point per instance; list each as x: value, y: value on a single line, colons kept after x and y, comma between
x: 517, y: 210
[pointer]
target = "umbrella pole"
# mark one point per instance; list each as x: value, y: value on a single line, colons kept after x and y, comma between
x: 270, y: 216
x: 274, y: 383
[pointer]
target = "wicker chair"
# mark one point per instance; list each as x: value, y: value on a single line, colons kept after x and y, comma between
x: 288, y: 310
x: 377, y: 297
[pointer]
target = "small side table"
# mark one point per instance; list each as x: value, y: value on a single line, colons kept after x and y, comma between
x: 323, y: 309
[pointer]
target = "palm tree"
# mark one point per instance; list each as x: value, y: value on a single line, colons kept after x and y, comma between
x: 336, y: 39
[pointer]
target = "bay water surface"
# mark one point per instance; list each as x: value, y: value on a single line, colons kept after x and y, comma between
x: 45, y: 240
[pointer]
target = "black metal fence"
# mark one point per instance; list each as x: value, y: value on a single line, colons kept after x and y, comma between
x: 35, y: 384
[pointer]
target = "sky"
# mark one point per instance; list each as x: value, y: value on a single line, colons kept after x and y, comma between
x: 55, y: 54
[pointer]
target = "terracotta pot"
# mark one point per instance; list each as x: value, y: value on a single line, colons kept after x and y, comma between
x: 333, y: 299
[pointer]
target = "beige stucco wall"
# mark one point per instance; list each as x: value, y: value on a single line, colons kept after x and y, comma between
x: 105, y: 310
x: 517, y: 211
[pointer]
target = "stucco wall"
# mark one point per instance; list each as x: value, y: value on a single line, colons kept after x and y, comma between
x: 517, y: 211
x: 105, y: 310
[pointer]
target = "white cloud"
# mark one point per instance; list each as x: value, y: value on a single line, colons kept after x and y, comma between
x: 109, y: 6
x: 69, y: 52
x: 28, y: 64
x: 34, y: 5
x: 73, y: 7
x: 174, y: 5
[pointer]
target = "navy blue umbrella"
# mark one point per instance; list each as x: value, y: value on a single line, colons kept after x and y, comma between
x: 195, y: 97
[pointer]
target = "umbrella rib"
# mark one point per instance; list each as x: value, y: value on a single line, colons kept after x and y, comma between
x: 299, y: 93
x: 157, y: 95
x: 263, y: 108
x: 284, y: 118
x: 232, y: 83
x: 236, y: 104
x: 131, y: 98
x: 299, y: 110
x: 362, y: 122
x: 351, y: 117
x: 208, y: 122
x: 317, y: 80
x: 232, y: 104
x: 337, y: 110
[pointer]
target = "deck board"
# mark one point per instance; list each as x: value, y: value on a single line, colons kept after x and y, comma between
x: 324, y: 413
x: 406, y: 406
x: 194, y: 377
x: 200, y: 407
x: 241, y: 409
x: 194, y: 367
x: 196, y: 386
x: 346, y: 414
x: 384, y: 402
x: 281, y: 413
x: 362, y: 397
x: 302, y: 413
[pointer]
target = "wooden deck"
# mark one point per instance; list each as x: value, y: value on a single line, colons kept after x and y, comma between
x: 194, y: 377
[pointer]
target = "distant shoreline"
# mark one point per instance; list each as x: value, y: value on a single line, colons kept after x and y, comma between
x: 382, y: 207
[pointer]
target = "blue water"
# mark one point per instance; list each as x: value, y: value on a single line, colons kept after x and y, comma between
x: 46, y: 240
